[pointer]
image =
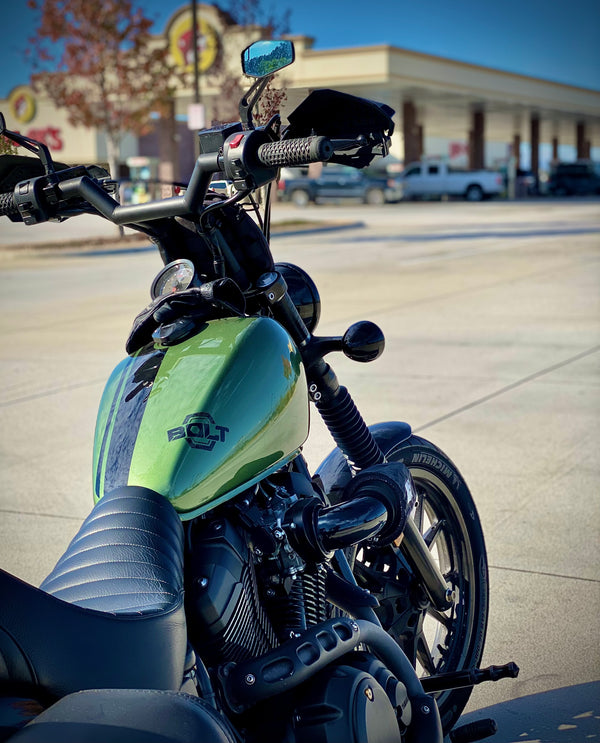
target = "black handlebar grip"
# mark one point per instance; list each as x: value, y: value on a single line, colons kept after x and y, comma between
x: 290, y: 152
x: 7, y: 205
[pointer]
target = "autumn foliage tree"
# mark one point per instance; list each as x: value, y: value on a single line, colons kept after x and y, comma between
x: 101, y: 63
x: 7, y: 147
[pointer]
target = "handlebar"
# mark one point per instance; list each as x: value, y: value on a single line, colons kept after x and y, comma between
x: 44, y: 197
x: 247, y: 159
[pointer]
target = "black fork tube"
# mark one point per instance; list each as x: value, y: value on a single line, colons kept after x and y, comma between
x: 343, y: 419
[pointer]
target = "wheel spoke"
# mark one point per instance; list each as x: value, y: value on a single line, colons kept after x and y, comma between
x: 432, y: 533
x: 401, y: 560
x: 424, y: 655
x: 439, y: 617
x: 418, y: 513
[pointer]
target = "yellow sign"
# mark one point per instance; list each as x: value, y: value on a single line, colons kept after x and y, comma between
x: 181, y: 43
x: 22, y: 104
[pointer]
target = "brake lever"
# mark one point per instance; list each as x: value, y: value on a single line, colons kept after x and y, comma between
x: 342, y: 145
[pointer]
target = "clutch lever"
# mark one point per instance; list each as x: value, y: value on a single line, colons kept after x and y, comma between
x: 343, y: 145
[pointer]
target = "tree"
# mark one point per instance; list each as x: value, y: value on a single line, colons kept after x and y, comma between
x: 102, y: 64
x: 253, y: 12
x: 271, y: 23
x: 6, y: 146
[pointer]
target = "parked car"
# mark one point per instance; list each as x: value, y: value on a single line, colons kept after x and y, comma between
x: 435, y: 179
x: 223, y: 186
x: 579, y: 178
x: 339, y: 182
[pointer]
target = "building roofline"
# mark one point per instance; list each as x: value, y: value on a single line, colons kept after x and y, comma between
x: 390, y: 48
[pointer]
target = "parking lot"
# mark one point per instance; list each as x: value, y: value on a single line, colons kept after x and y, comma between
x: 491, y: 313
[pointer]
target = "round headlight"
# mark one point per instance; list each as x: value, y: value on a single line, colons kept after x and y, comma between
x: 303, y: 293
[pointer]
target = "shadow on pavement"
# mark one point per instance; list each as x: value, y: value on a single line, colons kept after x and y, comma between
x: 567, y: 715
x: 500, y: 234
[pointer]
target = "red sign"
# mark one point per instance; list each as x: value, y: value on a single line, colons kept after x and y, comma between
x: 48, y: 135
x: 457, y: 149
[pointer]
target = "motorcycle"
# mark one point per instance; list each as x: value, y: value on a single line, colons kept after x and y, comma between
x: 219, y: 591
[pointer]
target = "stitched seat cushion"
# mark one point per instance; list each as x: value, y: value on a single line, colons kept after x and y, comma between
x: 111, y: 613
x: 127, y: 557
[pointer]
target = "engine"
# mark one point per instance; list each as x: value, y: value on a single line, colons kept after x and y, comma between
x: 247, y: 588
x: 256, y: 578
x: 226, y: 620
x: 346, y: 702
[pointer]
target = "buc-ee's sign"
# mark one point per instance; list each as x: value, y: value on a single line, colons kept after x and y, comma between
x: 22, y: 106
x: 181, y: 42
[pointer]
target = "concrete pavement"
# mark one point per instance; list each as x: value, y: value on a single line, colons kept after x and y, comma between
x: 492, y: 318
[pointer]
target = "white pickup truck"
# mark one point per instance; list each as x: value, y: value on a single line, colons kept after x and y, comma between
x: 430, y: 179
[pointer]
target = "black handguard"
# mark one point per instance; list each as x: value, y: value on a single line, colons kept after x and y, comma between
x: 294, y: 152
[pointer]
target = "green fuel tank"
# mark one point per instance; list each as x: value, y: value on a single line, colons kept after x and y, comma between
x: 203, y: 420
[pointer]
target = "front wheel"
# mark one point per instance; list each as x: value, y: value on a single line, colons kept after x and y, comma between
x: 474, y: 193
x: 375, y: 196
x: 435, y: 642
x: 300, y: 197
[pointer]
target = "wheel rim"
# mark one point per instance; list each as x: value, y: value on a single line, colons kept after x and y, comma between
x: 376, y: 197
x: 434, y: 641
x: 442, y: 646
x: 300, y: 198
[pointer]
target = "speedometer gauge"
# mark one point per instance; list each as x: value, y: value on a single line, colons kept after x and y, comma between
x: 174, y: 277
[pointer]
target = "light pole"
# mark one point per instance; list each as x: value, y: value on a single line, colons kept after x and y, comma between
x: 195, y: 45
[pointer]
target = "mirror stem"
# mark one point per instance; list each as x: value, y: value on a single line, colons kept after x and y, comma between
x: 247, y: 103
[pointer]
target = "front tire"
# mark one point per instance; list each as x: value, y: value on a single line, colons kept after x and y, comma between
x: 435, y: 642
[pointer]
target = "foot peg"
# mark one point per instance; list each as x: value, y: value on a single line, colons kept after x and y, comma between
x: 471, y: 677
x: 473, y: 731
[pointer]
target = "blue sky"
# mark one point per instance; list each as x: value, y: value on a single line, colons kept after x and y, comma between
x: 553, y: 39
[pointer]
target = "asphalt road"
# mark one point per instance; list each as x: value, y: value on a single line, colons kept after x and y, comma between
x: 492, y: 319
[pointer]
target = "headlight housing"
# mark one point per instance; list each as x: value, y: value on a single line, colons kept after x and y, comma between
x: 303, y: 293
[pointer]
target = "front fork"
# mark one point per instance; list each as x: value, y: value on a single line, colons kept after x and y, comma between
x: 362, y: 342
x: 358, y: 445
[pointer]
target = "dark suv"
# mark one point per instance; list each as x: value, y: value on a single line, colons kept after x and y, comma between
x: 567, y: 179
x: 339, y: 182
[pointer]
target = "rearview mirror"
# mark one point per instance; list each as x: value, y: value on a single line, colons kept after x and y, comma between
x: 263, y: 58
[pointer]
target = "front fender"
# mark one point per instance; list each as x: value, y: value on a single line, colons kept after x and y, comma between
x: 334, y: 470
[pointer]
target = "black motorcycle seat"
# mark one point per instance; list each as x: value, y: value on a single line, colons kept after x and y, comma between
x: 110, y: 614
x: 132, y: 715
x: 126, y: 558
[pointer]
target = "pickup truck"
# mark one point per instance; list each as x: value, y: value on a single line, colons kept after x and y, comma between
x: 430, y: 179
x: 338, y: 182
